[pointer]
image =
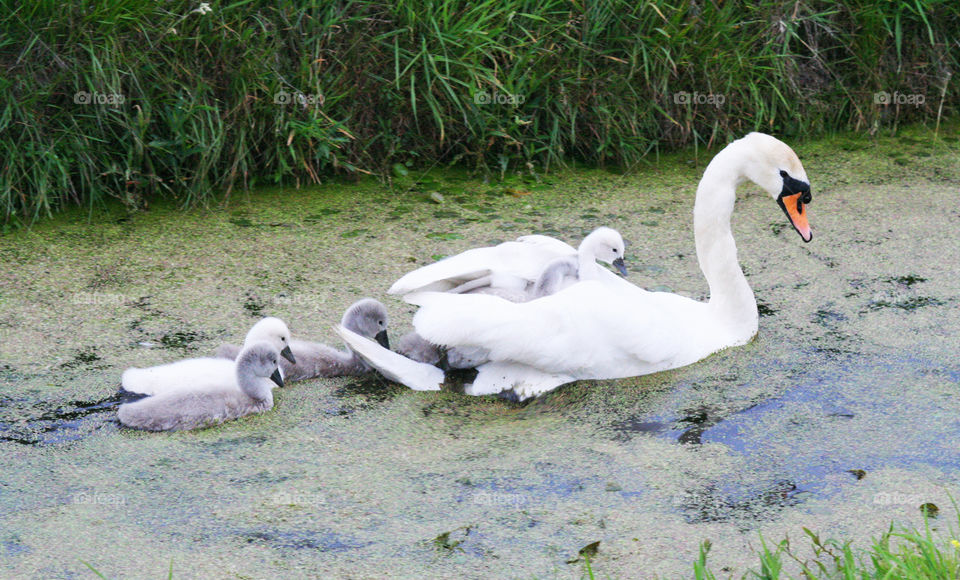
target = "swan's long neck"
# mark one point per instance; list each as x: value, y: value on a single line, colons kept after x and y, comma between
x: 257, y: 388
x: 587, y: 268
x: 731, y: 298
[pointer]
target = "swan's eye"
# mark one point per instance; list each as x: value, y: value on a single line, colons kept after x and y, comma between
x: 283, y: 338
x: 807, y: 197
x: 380, y: 323
x: 615, y: 250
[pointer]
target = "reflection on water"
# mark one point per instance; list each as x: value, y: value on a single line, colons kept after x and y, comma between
x: 846, y: 395
x: 40, y: 425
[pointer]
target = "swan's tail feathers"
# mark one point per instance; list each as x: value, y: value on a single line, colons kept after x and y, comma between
x: 526, y: 382
x: 398, y: 368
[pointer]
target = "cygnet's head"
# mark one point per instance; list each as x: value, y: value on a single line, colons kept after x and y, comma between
x: 261, y: 360
x: 368, y: 318
x: 773, y: 165
x: 275, y: 332
x: 606, y: 245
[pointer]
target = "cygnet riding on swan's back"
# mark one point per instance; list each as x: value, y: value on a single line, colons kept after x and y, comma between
x: 515, y: 265
x: 603, y: 244
x: 246, y: 387
x: 154, y: 380
x: 609, y: 328
x: 366, y: 317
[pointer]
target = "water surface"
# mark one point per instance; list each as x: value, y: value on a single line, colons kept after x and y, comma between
x: 842, y: 416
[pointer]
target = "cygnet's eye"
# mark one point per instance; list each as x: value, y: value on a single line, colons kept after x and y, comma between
x: 615, y: 250
x: 380, y: 322
x: 283, y: 338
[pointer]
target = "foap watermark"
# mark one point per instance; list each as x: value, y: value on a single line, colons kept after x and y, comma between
x: 302, y: 300
x: 497, y: 98
x: 287, y: 498
x: 895, y: 498
x: 99, y: 498
x: 98, y: 298
x: 492, y: 498
x: 898, y: 98
x: 98, y: 98
x: 695, y: 98
x: 297, y: 98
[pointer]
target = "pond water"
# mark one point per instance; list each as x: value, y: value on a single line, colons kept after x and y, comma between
x: 842, y: 416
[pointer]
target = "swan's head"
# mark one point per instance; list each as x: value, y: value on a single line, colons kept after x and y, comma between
x: 606, y: 245
x: 273, y: 331
x: 774, y: 166
x: 261, y: 360
x: 368, y: 318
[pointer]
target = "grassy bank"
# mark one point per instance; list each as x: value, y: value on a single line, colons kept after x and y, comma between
x: 131, y: 99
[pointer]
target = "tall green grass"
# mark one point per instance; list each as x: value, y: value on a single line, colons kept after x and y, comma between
x: 375, y: 83
x: 905, y: 554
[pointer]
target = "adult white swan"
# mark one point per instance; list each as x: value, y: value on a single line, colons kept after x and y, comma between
x: 609, y: 328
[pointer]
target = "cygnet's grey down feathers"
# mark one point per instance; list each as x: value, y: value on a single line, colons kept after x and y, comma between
x: 244, y: 391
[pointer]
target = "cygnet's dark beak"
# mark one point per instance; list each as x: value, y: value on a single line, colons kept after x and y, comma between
x: 382, y: 339
x: 288, y: 354
x: 620, y: 266
x: 277, y: 378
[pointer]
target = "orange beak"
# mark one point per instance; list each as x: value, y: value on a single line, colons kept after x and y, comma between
x: 796, y: 210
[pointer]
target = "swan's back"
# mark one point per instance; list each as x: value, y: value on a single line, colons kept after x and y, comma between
x: 193, y: 373
x: 584, y: 331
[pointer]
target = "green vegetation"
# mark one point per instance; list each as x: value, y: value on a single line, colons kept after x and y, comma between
x: 135, y: 100
x: 908, y: 555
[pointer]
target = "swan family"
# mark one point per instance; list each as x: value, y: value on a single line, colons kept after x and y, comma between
x: 529, y: 315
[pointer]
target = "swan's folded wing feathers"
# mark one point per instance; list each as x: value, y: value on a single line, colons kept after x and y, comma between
x: 523, y: 259
x: 457, y: 269
x: 555, y: 245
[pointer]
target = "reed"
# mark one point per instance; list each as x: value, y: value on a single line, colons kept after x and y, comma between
x: 291, y: 92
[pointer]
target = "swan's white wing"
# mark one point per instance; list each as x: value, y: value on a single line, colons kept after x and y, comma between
x: 194, y: 373
x: 591, y: 330
x: 524, y: 259
x: 418, y: 376
x: 548, y: 243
